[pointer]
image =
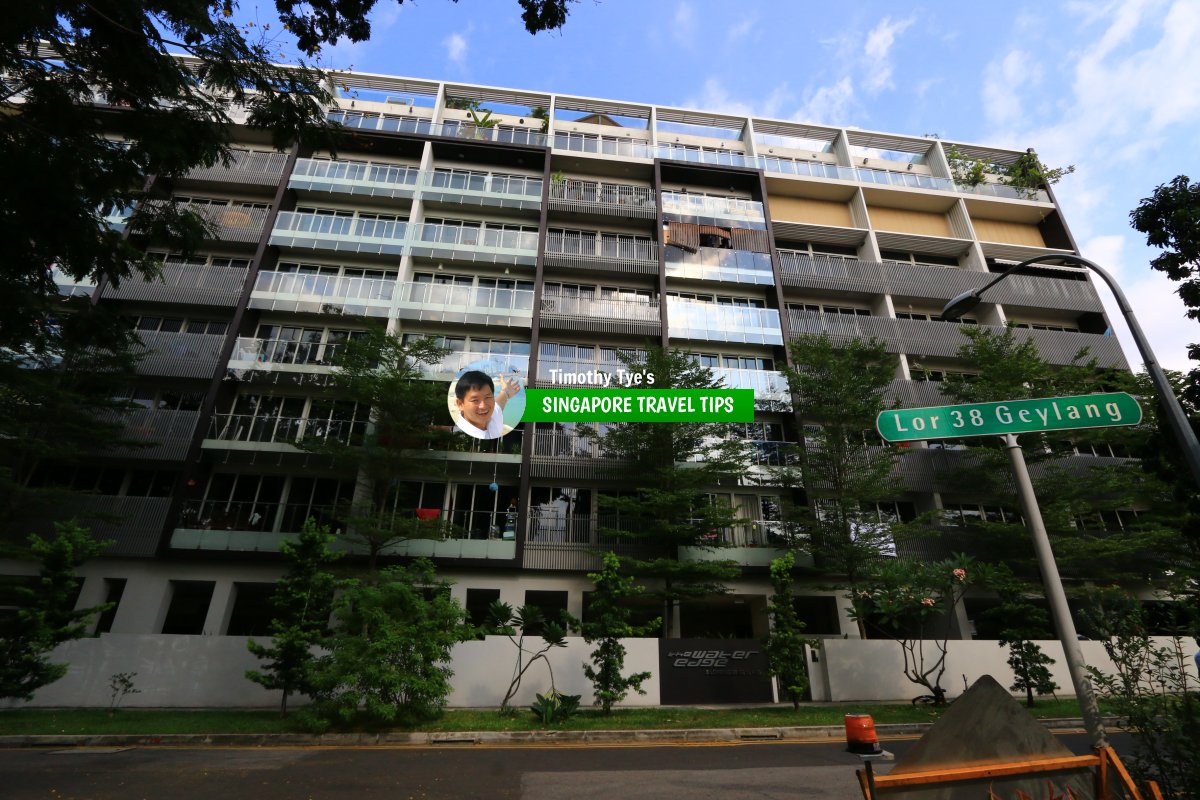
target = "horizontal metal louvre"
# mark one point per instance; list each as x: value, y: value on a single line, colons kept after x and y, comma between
x: 181, y: 282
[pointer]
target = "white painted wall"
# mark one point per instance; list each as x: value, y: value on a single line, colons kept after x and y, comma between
x: 850, y: 669
x: 209, y: 671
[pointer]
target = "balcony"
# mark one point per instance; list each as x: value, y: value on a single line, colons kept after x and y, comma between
x: 611, y: 253
x: 607, y: 363
x: 245, y: 166
x: 474, y: 305
x: 285, y: 355
x: 770, y: 386
x: 562, y: 454
x: 638, y: 317
x: 472, y: 243
x: 702, y: 209
x: 162, y: 434
x: 343, y: 177
x: 250, y: 432
x: 420, y: 126
x: 473, y: 188
x: 624, y: 147
x: 597, y: 197
x: 182, y: 281
x: 1009, y: 192
x: 495, y: 363
x: 322, y: 294
x: 232, y: 223
x: 720, y: 264
x: 134, y: 524
x: 944, y: 339
x: 933, y: 282
x: 574, y: 542
x: 180, y: 355
x: 908, y: 180
x: 706, y: 155
x: 805, y: 169
x: 339, y: 234
x: 261, y: 527
x: 712, y: 322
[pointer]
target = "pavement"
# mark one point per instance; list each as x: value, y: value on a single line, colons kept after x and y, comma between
x: 446, y: 738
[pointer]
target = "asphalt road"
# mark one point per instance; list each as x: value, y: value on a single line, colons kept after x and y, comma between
x: 727, y: 771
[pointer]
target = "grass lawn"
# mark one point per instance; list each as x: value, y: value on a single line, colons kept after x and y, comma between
x: 136, y: 721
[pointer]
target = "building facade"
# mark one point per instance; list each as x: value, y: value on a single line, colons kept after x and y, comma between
x: 537, y: 232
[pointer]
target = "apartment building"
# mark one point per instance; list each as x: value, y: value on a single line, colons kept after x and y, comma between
x: 536, y: 232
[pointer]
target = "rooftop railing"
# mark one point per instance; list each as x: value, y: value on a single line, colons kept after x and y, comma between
x: 603, y: 145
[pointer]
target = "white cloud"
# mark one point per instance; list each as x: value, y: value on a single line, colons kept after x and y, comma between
x: 456, y: 48
x: 1007, y: 82
x: 683, y: 24
x: 715, y: 97
x: 743, y: 28
x: 828, y: 104
x: 878, y: 65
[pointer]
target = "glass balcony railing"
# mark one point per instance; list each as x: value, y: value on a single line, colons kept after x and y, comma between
x: 493, y: 240
x: 603, y: 145
x: 492, y: 362
x: 804, y: 169
x: 284, y: 430
x: 767, y: 384
x: 688, y: 319
x: 1002, y: 190
x: 698, y: 205
x: 284, y: 352
x: 355, y: 234
x: 719, y: 264
x: 482, y: 185
x: 606, y: 363
x: 301, y: 292
x: 389, y: 180
x: 467, y: 301
x: 910, y: 180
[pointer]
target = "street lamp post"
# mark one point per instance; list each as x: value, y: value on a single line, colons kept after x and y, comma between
x: 1173, y: 412
x: 1051, y: 580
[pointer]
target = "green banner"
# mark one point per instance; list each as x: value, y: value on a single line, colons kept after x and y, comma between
x: 1009, y: 416
x: 639, y: 405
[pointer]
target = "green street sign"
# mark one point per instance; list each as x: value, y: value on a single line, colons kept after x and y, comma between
x: 1009, y: 416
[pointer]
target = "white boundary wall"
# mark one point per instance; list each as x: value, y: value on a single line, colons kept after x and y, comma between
x: 857, y: 670
x: 209, y: 671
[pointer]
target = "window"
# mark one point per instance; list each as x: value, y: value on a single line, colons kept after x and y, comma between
x: 179, y: 324
x: 849, y: 311
x: 478, y: 606
x: 253, y: 609
x: 552, y: 605
x: 1045, y: 326
x: 919, y: 259
x: 189, y: 607
x: 114, y: 588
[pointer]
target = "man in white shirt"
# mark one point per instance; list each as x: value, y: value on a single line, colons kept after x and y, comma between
x: 481, y: 410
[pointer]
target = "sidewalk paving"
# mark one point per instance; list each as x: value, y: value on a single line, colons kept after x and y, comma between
x: 451, y: 739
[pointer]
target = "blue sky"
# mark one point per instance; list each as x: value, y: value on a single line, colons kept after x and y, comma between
x: 1111, y: 87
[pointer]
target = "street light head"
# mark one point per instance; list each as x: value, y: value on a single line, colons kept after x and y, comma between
x: 960, y: 305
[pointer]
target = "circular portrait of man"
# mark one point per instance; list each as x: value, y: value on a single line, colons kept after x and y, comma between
x: 484, y: 404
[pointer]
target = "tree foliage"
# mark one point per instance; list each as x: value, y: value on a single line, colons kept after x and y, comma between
x: 105, y: 104
x: 786, y: 641
x: 1021, y: 622
x: 384, y: 373
x: 839, y: 391
x: 912, y: 602
x: 1170, y: 219
x: 59, y: 402
x: 46, y: 616
x: 388, y: 657
x: 302, y: 601
x: 670, y: 467
x: 607, y: 624
x: 515, y: 625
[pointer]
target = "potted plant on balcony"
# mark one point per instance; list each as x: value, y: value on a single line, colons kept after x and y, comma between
x: 1028, y: 174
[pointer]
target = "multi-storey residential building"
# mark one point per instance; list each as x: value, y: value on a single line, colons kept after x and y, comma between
x: 554, y: 235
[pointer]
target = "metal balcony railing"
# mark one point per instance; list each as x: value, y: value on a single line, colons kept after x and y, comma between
x: 160, y: 433
x: 245, y: 166
x: 615, y: 315
x: 592, y: 249
x: 614, y: 199
x: 285, y: 352
x: 180, y: 355
x: 185, y: 282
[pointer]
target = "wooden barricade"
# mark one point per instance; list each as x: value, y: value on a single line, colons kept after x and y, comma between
x: 1105, y: 761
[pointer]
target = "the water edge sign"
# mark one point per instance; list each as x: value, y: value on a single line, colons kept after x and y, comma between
x: 1009, y: 416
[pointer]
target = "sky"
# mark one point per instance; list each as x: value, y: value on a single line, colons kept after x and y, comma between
x: 1112, y: 88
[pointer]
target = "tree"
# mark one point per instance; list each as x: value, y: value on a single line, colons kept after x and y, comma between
x: 383, y: 372
x: 839, y: 391
x: 46, y: 615
x: 515, y: 626
x: 59, y: 402
x: 672, y: 467
x: 388, y: 657
x: 303, y: 601
x: 105, y: 104
x: 786, y: 641
x: 607, y: 624
x: 911, y: 602
x: 1021, y: 622
x: 1170, y: 218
